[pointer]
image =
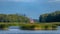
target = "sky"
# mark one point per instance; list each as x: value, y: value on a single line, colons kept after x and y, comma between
x: 32, y: 8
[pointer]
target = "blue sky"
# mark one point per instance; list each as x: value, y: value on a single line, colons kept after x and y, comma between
x: 32, y: 8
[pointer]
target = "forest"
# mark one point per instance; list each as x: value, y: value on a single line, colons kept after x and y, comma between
x: 13, y: 18
x: 50, y: 17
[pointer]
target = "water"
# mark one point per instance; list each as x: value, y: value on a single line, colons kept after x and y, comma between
x: 15, y: 30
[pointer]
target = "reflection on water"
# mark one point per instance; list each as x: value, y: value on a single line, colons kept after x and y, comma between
x: 14, y: 27
x: 58, y: 28
x: 18, y: 31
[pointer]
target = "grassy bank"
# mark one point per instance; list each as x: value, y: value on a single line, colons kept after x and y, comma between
x: 38, y: 27
x: 28, y: 26
x: 4, y: 26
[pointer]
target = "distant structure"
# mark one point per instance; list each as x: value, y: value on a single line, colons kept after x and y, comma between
x: 31, y: 21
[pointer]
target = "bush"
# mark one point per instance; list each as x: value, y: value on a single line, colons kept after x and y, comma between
x: 3, y: 26
x: 28, y: 27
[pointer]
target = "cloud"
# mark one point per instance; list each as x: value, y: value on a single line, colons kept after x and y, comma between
x: 20, y: 0
x: 54, y: 1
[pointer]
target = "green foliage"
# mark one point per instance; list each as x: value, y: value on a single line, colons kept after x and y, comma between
x: 52, y: 17
x: 13, y: 18
x: 27, y: 27
x: 4, y: 26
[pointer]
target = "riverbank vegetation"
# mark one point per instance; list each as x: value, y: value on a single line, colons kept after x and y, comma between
x: 50, y: 17
x: 13, y: 18
x: 46, y: 21
x: 39, y: 27
x: 28, y: 26
x: 4, y: 26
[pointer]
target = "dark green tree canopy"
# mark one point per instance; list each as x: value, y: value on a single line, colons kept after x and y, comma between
x: 51, y: 17
x: 13, y: 18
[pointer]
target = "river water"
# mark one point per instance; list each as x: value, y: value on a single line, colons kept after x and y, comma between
x: 15, y: 30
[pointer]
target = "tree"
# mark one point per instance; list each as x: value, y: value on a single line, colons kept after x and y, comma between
x: 51, y: 17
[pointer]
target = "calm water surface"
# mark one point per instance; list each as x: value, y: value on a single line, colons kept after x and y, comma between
x: 15, y: 30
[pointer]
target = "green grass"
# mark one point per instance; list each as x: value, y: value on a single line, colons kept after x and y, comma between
x: 28, y: 25
x: 20, y: 24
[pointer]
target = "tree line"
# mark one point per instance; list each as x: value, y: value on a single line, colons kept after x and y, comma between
x: 13, y: 18
x: 50, y: 17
